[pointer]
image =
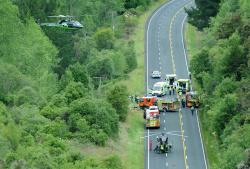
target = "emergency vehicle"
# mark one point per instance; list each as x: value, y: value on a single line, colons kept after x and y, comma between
x: 192, y: 98
x: 159, y: 89
x: 168, y: 104
x: 145, y: 102
x: 152, y: 117
x: 171, y: 80
x: 184, y: 85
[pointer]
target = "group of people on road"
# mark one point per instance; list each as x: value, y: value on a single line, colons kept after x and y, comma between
x: 170, y: 89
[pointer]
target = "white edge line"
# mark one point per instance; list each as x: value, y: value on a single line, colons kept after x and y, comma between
x: 201, y: 140
x: 196, y: 110
x: 183, y: 43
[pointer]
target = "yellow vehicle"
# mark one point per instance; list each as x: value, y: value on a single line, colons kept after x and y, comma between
x: 168, y: 104
x: 152, y: 117
x: 183, y: 85
x: 192, y: 99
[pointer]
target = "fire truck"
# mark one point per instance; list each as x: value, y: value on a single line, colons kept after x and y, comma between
x: 145, y: 102
x: 152, y: 117
x: 192, y: 98
x: 168, y: 104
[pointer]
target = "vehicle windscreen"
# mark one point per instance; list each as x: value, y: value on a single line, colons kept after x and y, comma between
x: 156, y: 73
x: 141, y: 100
x: 157, y: 88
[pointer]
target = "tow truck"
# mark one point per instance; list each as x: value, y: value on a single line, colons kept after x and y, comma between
x: 152, y: 117
x: 145, y: 102
x: 192, y: 98
x: 168, y: 104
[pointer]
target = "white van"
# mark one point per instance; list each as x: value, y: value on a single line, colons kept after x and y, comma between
x: 159, y: 89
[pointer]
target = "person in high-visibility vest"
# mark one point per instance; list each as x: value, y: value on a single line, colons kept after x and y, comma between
x: 189, y: 73
x: 192, y: 109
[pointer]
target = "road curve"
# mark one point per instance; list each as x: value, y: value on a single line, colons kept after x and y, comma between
x: 165, y: 51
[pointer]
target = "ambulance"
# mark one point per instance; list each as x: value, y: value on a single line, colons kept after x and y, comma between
x: 171, y: 80
x: 183, y: 85
x: 159, y: 89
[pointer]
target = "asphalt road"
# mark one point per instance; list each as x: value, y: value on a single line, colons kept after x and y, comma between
x: 165, y: 51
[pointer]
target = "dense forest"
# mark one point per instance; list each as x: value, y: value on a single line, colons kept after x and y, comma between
x: 58, y: 88
x: 221, y: 71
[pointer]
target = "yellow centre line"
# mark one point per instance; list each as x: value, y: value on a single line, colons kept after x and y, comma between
x: 174, y: 73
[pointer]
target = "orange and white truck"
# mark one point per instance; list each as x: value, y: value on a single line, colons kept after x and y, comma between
x: 152, y: 116
x: 145, y: 102
x: 192, y: 98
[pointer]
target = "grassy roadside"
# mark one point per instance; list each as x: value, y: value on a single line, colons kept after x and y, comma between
x: 193, y: 42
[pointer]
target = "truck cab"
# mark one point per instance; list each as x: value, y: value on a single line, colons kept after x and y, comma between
x: 183, y: 85
x: 192, y: 99
x: 145, y: 102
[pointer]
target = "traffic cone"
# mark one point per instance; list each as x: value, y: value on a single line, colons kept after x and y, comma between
x: 151, y: 70
x: 174, y: 163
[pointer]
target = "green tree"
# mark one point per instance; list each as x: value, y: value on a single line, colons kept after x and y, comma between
x: 117, y: 96
x: 74, y: 91
x: 27, y: 95
x: 104, y: 39
x: 12, y: 134
x: 200, y: 16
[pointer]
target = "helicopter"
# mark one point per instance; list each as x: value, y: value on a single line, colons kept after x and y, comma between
x: 64, y: 23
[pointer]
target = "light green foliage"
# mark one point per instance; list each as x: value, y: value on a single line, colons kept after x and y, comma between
x: 58, y: 100
x: 245, y: 9
x: 224, y: 110
x: 113, y: 162
x: 101, y: 66
x: 5, y: 117
x: 11, y: 80
x: 227, y: 85
x: 4, y: 147
x: 29, y: 118
x: 27, y: 95
x: 12, y: 134
x: 117, y: 97
x: 98, y: 114
x: 104, y: 38
x: 66, y: 79
x: 41, y: 159
x: 231, y: 157
x: 48, y: 112
x: 74, y: 91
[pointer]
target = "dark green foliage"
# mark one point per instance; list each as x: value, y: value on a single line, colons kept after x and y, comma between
x: 200, y: 16
x: 79, y: 73
x: 74, y: 91
x: 229, y: 26
x: 198, y: 64
x: 117, y: 96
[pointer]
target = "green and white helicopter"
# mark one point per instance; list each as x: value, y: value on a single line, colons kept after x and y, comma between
x: 64, y: 23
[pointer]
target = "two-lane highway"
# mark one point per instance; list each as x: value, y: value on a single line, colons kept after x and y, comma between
x: 165, y: 51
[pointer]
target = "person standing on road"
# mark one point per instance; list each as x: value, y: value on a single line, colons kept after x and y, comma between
x: 174, y: 88
x: 189, y: 73
x: 192, y: 109
x: 170, y: 89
